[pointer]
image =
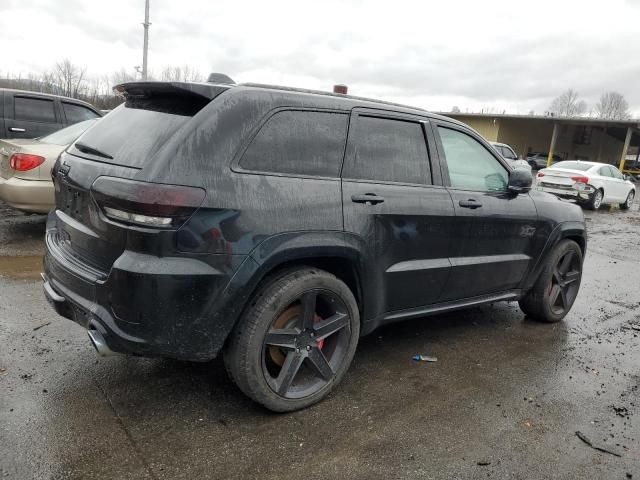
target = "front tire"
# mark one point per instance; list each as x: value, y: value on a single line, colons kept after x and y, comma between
x: 629, y: 201
x: 295, y: 341
x: 556, y: 289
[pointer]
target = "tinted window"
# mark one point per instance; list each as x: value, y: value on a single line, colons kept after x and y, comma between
x: 133, y: 134
x: 470, y: 164
x: 569, y: 165
x: 508, y: 153
x: 67, y: 135
x: 299, y: 143
x: 388, y: 150
x: 77, y: 113
x: 34, y: 109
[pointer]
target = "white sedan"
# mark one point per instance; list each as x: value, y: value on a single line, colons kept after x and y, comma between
x: 589, y: 183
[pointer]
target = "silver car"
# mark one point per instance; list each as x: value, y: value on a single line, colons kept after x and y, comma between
x: 510, y: 156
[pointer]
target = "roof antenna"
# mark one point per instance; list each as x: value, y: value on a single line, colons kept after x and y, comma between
x: 220, y: 78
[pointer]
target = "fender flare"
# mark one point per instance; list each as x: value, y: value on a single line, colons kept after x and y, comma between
x: 572, y: 230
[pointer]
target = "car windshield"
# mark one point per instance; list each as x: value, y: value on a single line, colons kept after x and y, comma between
x: 571, y: 165
x: 68, y: 135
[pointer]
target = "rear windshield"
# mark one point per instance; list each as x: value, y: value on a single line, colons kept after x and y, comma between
x: 570, y: 165
x: 67, y: 135
x: 135, y: 131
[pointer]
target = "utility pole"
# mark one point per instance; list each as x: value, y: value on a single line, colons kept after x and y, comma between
x: 145, y: 50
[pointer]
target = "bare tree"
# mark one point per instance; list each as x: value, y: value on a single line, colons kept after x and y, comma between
x: 183, y: 73
x: 568, y: 105
x: 68, y: 78
x: 122, y: 76
x: 613, y: 106
x: 455, y: 109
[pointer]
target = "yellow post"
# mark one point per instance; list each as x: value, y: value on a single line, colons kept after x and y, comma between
x: 554, y: 137
x: 627, y: 141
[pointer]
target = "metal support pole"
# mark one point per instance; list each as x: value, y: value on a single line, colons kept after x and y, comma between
x: 627, y: 141
x: 554, y: 138
x: 145, y: 50
x: 602, y: 138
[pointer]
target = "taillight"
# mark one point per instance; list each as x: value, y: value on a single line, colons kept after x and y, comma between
x: 580, y: 179
x: 25, y: 161
x: 147, y: 204
x: 540, y: 174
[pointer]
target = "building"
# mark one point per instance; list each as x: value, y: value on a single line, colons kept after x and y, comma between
x: 610, y: 141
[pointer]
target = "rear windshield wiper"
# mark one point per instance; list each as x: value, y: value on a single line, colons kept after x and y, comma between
x: 93, y: 151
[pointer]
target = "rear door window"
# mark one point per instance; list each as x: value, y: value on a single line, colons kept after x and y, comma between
x: 34, y: 109
x: 77, y: 113
x: 388, y: 150
x: 299, y: 142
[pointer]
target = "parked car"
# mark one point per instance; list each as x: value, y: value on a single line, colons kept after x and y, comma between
x: 589, y: 183
x: 26, y: 114
x: 199, y: 219
x: 510, y: 155
x: 25, y: 168
x: 538, y: 160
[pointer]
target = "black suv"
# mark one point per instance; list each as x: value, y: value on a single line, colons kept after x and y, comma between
x: 277, y: 226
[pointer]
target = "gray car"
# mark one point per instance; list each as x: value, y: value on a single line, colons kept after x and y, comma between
x: 25, y: 114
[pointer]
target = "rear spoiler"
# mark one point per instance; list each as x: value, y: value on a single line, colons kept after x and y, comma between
x: 150, y: 89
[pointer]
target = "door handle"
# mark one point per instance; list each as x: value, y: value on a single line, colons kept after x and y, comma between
x: 471, y: 203
x: 367, y: 198
x: 16, y: 129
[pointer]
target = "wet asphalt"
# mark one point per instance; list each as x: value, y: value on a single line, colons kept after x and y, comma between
x: 504, y: 400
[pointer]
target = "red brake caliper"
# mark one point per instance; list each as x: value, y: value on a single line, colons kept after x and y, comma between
x: 320, y: 343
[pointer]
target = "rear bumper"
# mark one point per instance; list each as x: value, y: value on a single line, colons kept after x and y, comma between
x: 35, y: 196
x: 174, y: 307
x: 569, y: 193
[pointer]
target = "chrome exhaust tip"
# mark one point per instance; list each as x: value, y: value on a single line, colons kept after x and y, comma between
x: 97, y: 339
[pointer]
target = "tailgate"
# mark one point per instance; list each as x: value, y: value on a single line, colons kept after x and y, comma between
x: 79, y: 233
x: 124, y: 145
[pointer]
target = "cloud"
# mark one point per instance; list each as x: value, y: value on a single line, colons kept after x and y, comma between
x: 494, y: 54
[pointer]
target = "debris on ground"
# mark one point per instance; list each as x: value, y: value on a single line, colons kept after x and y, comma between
x: 586, y: 440
x: 40, y: 326
x: 635, y: 327
x: 620, y: 411
x: 424, y: 358
x: 484, y: 463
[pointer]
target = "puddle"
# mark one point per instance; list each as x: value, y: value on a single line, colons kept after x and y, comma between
x: 23, y: 267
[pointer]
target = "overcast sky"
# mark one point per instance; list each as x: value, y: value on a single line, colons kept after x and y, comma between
x: 493, y: 54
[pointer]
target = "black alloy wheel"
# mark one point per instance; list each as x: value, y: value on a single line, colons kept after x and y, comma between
x: 306, y: 344
x: 565, y: 284
x: 295, y: 341
x: 556, y: 289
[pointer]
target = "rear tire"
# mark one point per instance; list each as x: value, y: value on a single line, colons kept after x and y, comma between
x: 295, y: 340
x: 556, y: 289
x: 595, y: 201
x: 629, y: 201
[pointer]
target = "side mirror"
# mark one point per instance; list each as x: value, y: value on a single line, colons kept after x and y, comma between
x: 520, y: 180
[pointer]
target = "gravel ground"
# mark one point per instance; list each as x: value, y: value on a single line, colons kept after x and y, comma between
x: 504, y: 400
